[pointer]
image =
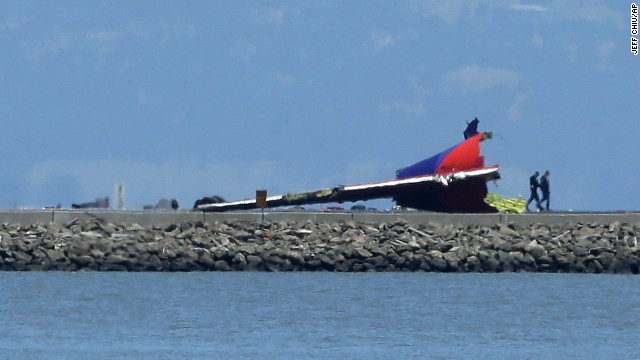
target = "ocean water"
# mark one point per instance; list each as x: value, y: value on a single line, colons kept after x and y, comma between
x: 51, y: 315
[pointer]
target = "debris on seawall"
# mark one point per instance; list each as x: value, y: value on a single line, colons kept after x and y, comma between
x: 452, y: 181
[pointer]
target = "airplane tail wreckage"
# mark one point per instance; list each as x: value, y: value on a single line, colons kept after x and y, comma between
x: 453, y: 181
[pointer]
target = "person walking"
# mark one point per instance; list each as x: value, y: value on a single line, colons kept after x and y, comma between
x: 533, y: 186
x: 546, y: 190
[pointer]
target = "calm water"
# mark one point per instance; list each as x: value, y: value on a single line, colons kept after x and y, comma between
x: 318, y: 315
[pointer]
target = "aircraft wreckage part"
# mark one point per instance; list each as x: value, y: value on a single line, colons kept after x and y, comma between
x: 463, y: 156
x: 465, y: 196
x: 462, y: 191
x: 454, y: 180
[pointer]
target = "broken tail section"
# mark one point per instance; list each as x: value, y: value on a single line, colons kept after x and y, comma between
x: 454, y: 180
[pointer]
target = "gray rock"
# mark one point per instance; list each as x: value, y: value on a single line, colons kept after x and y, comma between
x: 489, y: 260
x: 437, y: 261
x: 154, y: 263
x: 452, y: 260
x: 117, y: 260
x: 508, y: 231
x: 363, y: 253
x: 605, y: 259
x: 222, y: 265
x: 106, y: 266
x: 473, y: 264
x: 239, y: 261
x: 254, y: 263
x: 22, y: 257
x: 536, y: 250
x: 379, y: 263
x: 326, y: 262
x: 593, y: 266
x: 84, y: 261
x: 580, y: 251
x: 625, y: 264
x: 184, y: 264
x: 342, y: 266
x: 94, y: 244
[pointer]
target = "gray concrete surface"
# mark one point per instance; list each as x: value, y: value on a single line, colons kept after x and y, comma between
x: 148, y: 218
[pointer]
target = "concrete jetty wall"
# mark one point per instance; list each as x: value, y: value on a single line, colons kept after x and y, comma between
x: 167, y: 217
x: 304, y: 241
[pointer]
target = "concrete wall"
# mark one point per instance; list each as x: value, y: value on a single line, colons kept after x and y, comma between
x: 148, y: 218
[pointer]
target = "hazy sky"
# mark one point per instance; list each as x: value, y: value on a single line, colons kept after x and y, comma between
x: 182, y: 99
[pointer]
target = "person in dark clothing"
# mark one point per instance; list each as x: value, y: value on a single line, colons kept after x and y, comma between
x: 544, y: 187
x: 533, y: 186
x: 472, y: 128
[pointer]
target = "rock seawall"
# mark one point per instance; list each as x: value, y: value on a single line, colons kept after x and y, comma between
x: 97, y: 245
